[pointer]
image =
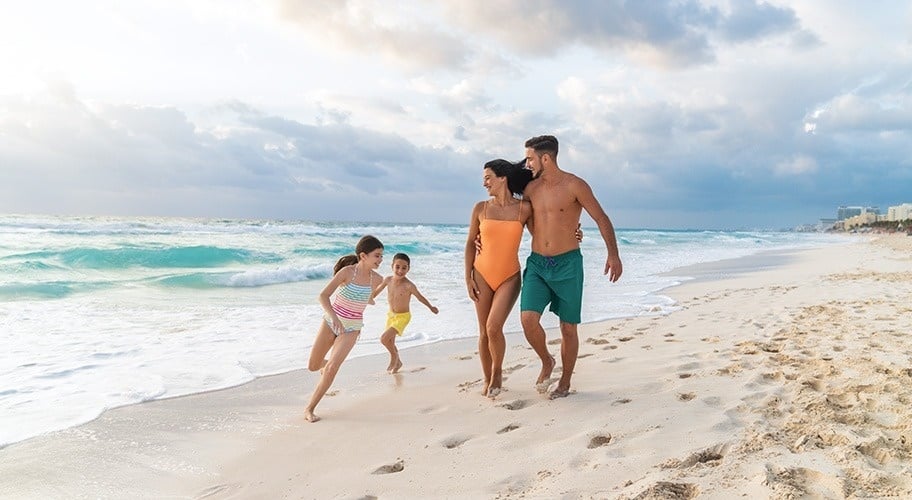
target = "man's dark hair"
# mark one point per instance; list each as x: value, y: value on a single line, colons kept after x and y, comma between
x: 402, y: 256
x: 544, y: 144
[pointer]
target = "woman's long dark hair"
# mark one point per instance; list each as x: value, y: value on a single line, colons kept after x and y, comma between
x: 518, y: 176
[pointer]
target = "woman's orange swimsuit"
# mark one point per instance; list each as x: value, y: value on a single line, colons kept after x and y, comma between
x: 499, y: 257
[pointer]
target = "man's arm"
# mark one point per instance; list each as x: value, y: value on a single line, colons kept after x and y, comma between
x: 613, y: 266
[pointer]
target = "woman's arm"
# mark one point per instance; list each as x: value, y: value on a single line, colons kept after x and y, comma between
x: 470, y: 252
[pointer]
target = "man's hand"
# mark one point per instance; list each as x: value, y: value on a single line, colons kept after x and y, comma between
x: 613, y: 268
x: 579, y: 233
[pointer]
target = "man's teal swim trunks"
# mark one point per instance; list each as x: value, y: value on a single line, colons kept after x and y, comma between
x: 557, y: 280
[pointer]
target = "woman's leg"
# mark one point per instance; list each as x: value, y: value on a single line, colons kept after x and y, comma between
x: 482, y: 309
x: 501, y: 304
x: 340, y: 349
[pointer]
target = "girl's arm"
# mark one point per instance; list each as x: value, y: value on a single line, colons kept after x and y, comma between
x: 327, y: 292
x: 423, y: 300
x: 470, y: 251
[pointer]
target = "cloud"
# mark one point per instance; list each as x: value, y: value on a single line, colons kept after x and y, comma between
x: 60, y: 154
x: 798, y: 165
x: 369, y: 26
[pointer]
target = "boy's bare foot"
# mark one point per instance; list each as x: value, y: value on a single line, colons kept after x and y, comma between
x: 559, y: 392
x: 544, y: 378
x: 394, y: 368
x: 310, y: 417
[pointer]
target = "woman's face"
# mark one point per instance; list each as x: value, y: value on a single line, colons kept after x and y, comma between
x: 491, y: 182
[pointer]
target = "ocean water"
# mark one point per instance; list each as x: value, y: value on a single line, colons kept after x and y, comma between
x: 100, y: 312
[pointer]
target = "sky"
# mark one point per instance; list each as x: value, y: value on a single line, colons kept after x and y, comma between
x: 680, y: 114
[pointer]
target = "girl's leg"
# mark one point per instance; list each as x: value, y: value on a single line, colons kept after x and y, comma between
x: 482, y: 309
x: 388, y: 339
x: 502, y: 303
x: 340, y: 349
x: 322, y: 344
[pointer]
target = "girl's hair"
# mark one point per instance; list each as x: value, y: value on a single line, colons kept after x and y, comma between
x: 518, y: 176
x: 366, y: 244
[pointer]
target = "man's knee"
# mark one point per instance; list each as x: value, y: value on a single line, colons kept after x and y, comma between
x: 568, y: 329
x: 530, y: 320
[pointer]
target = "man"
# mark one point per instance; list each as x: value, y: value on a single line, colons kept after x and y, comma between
x: 554, y: 269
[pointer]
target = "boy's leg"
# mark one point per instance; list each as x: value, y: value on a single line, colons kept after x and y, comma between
x: 388, y: 339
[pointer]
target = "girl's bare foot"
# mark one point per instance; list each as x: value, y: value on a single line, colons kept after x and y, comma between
x: 310, y: 417
x: 394, y: 368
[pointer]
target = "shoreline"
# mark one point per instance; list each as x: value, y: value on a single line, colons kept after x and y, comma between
x: 250, y: 440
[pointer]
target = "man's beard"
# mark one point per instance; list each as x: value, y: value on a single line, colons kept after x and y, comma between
x: 536, y: 175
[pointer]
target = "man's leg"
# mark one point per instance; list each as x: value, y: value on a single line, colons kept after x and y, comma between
x: 535, y: 335
x: 569, y: 353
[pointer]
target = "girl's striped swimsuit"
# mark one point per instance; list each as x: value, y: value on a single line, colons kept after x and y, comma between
x: 349, y: 304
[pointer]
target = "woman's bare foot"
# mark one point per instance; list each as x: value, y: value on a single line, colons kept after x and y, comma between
x: 493, y: 392
x: 484, y: 388
x: 544, y: 378
x: 310, y: 417
x: 394, y: 368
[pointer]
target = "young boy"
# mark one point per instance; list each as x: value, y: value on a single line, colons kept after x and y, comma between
x: 399, y: 293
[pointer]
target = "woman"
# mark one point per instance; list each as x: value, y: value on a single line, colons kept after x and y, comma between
x: 492, y: 275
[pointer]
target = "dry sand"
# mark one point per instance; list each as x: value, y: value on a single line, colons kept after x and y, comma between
x: 789, y: 382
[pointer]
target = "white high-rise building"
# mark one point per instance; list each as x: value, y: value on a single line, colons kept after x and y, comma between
x: 900, y: 212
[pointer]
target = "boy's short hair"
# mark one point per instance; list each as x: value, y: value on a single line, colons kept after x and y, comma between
x: 402, y: 256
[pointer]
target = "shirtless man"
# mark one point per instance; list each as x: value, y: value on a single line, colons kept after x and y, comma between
x: 554, y: 269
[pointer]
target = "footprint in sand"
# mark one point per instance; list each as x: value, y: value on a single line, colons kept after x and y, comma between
x: 713, y: 454
x: 670, y: 491
x: 595, y: 341
x: 455, y: 441
x: 518, y: 404
x: 625, y: 339
x: 511, y: 427
x: 219, y: 489
x: 669, y: 335
x: 514, y: 368
x: 554, y: 341
x: 332, y: 393
x: 399, y: 466
x: 609, y: 347
x: 685, y: 375
x: 581, y: 356
x: 464, y: 358
x: 598, y: 441
x: 686, y: 396
x: 621, y: 401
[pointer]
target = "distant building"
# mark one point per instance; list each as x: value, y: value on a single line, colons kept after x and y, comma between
x: 900, y: 212
x: 843, y: 213
x: 860, y: 220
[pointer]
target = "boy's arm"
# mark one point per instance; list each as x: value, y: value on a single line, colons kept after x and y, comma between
x: 379, y: 289
x: 423, y: 300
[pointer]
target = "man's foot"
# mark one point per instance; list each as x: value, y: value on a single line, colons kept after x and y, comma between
x: 310, y: 417
x: 559, y: 392
x: 394, y: 368
x: 544, y: 378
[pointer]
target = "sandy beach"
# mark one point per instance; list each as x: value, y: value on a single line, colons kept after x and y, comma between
x: 793, y: 380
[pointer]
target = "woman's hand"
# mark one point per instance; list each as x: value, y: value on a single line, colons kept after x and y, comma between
x: 472, y: 289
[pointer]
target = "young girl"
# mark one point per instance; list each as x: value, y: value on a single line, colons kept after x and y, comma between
x: 355, y: 280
